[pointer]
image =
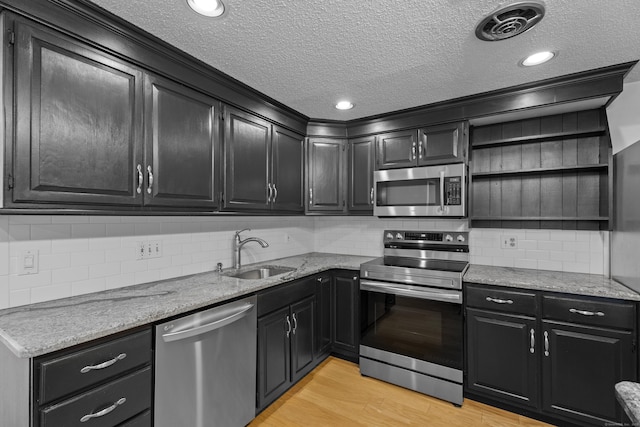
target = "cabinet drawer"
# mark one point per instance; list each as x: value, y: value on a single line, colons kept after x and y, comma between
x: 61, y: 375
x: 283, y: 295
x: 142, y: 420
x: 499, y: 299
x: 125, y: 397
x: 589, y: 311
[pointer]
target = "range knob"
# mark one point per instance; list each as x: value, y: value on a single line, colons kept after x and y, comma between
x: 448, y: 238
x: 389, y: 236
x: 460, y: 238
x: 399, y: 236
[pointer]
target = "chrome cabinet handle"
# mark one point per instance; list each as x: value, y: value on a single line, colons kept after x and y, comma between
x: 533, y: 341
x: 371, y: 197
x: 310, y: 196
x: 103, y: 364
x: 295, y: 323
x: 269, y: 192
x: 412, y: 156
x: 275, y: 193
x: 499, y: 301
x: 420, y: 150
x: 104, y: 412
x: 288, y: 327
x: 319, y: 279
x: 149, y: 188
x: 140, y: 179
x: 586, y: 313
x: 546, y: 343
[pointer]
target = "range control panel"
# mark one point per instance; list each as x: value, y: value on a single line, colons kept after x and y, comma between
x: 444, y: 237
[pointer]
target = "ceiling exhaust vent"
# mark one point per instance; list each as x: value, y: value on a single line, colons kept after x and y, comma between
x: 509, y: 21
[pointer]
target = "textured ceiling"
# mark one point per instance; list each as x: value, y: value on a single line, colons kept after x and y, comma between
x: 385, y: 55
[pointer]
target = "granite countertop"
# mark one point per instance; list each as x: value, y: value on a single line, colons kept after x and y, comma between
x: 628, y: 394
x: 37, y: 329
x: 554, y: 281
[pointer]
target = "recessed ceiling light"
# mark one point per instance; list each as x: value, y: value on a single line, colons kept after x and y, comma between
x: 344, y: 105
x: 211, y: 8
x: 537, y: 58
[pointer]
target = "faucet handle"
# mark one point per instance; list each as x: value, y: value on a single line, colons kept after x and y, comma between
x: 244, y: 229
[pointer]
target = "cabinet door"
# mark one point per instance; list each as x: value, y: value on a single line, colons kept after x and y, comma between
x: 273, y: 356
x: 78, y: 123
x: 326, y: 164
x: 580, y: 367
x: 181, y: 150
x: 361, y: 163
x: 442, y: 144
x: 397, y: 150
x: 246, y: 142
x: 287, y: 173
x: 303, y: 336
x: 345, y: 292
x: 502, y: 355
x: 323, y: 315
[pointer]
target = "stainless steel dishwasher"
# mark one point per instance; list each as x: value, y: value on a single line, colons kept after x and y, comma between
x: 206, y: 367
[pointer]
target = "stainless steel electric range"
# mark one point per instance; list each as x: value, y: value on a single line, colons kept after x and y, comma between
x: 411, y: 312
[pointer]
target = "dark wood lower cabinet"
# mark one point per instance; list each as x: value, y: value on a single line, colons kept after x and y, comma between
x: 502, y: 360
x: 273, y: 357
x: 549, y: 355
x: 302, y: 337
x: 345, y: 314
x: 323, y: 314
x: 580, y: 369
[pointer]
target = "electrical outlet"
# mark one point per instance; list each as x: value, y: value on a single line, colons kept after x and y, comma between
x: 509, y: 242
x: 149, y: 249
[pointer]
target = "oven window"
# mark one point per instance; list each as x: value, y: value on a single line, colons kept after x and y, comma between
x: 422, y: 329
x: 413, y: 192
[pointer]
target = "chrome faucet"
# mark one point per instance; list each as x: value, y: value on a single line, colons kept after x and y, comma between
x: 238, y: 243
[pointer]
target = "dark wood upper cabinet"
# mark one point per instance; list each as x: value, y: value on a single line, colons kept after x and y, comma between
x: 446, y: 143
x: 182, y: 145
x: 397, y: 149
x: 287, y: 171
x: 78, y: 121
x: 326, y: 164
x: 246, y: 143
x: 361, y: 165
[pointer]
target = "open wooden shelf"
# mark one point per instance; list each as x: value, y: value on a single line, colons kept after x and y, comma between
x: 543, y: 172
x: 558, y: 169
x: 540, y: 138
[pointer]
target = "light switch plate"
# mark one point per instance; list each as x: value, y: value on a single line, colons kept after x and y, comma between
x: 28, y: 262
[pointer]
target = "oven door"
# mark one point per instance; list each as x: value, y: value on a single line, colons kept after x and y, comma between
x: 421, y: 323
x: 423, y: 191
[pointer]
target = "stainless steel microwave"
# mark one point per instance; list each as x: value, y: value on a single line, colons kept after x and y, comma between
x: 437, y: 191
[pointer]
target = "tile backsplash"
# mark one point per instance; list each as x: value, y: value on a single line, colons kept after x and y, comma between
x: 83, y: 254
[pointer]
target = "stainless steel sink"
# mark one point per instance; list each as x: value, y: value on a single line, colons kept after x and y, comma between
x: 262, y: 272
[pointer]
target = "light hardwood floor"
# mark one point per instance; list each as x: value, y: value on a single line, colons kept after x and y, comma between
x: 335, y: 394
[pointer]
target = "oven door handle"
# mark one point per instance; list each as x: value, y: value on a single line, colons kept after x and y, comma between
x: 423, y: 293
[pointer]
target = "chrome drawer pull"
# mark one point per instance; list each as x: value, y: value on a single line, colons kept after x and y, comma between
x: 275, y: 193
x: 533, y: 341
x: 546, y: 343
x: 104, y: 412
x: 150, y: 186
x: 586, y: 313
x: 499, y: 301
x: 103, y: 364
x: 270, y: 193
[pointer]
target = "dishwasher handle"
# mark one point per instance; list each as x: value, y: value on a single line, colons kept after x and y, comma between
x: 208, y: 327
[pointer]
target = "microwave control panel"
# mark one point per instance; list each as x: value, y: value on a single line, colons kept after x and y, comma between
x: 453, y: 190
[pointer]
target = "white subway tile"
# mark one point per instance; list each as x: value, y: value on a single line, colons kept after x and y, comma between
x: 186, y: 259
x: 526, y: 263
x: 575, y: 246
x: 43, y: 278
x: 42, y: 246
x: 48, y: 293
x: 528, y: 244
x: 19, y: 232
x: 576, y: 267
x: 562, y: 256
x: 564, y: 235
x: 170, y: 272
x: 105, y: 219
x: 86, y: 231
x: 119, y: 281
x: 50, y: 231
x: 537, y: 255
x: 549, y: 245
x: 146, y: 276
x: 503, y: 262
x: 69, y: 245
x: 69, y: 219
x: 71, y: 274
x: 104, y: 270
x: 4, y: 258
x: 54, y: 261
x: 134, y: 266
x: 29, y: 219
x: 19, y: 297
x: 147, y: 228
x: 119, y: 230
x: 550, y: 265
x: 88, y: 286
x: 87, y: 258
x: 105, y: 243
x: 120, y: 255
x: 4, y: 292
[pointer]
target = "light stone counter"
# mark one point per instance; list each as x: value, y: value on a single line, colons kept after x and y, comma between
x: 554, y: 281
x: 628, y: 394
x: 37, y: 329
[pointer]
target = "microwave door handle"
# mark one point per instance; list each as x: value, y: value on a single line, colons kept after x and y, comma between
x: 441, y: 191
